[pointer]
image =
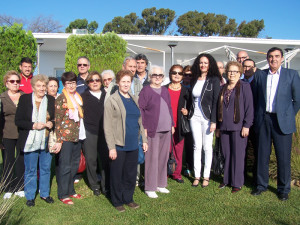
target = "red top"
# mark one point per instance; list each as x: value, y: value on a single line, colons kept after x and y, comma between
x: 25, y: 84
x: 174, y: 103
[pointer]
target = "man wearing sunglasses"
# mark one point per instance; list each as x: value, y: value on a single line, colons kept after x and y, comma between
x: 26, y: 75
x: 83, y: 66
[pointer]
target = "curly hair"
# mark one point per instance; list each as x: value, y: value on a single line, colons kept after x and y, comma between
x: 213, y: 70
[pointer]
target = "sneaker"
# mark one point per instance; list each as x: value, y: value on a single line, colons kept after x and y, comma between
x: 163, y: 190
x: 187, y: 173
x: 21, y: 194
x: 7, y: 195
x: 151, y: 194
x: 76, y: 181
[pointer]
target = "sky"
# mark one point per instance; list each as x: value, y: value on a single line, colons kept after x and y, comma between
x: 282, y: 18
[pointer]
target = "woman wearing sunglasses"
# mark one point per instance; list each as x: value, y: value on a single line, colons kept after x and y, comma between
x: 93, y: 110
x: 13, y: 182
x: 179, y: 97
x: 155, y: 106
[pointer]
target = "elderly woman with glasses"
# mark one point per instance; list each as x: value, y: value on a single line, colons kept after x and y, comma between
x: 155, y: 105
x: 12, y: 162
x: 179, y: 97
x: 34, y: 119
x: 70, y: 130
x: 235, y: 117
x: 94, y: 144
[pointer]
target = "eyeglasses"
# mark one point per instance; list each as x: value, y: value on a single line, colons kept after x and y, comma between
x: 175, y: 72
x: 79, y: 65
x: 187, y: 74
x: 108, y: 79
x: 94, y: 80
x: 14, y: 81
x: 70, y: 83
x: 233, y: 72
x: 157, y: 75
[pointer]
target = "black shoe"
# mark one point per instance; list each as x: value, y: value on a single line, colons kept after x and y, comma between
x: 30, y: 203
x: 222, y: 186
x: 48, y: 199
x: 235, y: 189
x: 283, y: 197
x: 133, y: 205
x: 120, y: 208
x: 179, y: 181
x: 96, y: 192
x: 257, y: 192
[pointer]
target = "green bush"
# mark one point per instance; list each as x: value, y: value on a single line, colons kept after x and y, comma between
x: 105, y: 51
x: 15, y: 43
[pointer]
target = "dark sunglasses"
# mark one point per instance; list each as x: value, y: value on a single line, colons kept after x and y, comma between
x: 157, y: 75
x: 79, y: 65
x: 175, y: 72
x: 94, y: 80
x: 187, y: 74
x: 14, y: 81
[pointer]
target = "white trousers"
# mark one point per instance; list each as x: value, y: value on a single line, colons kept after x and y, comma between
x: 203, y: 139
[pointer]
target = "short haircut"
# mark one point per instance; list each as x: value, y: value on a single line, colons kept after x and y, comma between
x: 26, y: 60
x: 251, y: 60
x: 172, y: 68
x: 90, y: 76
x: 128, y: 58
x: 54, y: 79
x: 273, y: 50
x: 123, y: 73
x: 187, y: 68
x: 151, y: 71
x: 84, y: 57
x: 40, y: 77
x: 110, y: 72
x: 234, y: 63
x: 9, y: 74
x: 68, y: 76
x: 142, y: 57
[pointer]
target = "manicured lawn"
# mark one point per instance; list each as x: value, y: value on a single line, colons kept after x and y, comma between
x: 184, y: 205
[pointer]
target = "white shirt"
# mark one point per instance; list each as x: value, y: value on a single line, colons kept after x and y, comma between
x: 272, y: 84
x: 197, y: 90
x: 96, y: 94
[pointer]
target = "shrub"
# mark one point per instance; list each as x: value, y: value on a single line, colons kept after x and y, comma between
x: 15, y: 43
x: 105, y: 51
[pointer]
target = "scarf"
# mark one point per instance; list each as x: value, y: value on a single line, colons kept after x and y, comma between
x: 236, y: 116
x: 73, y: 105
x: 36, y: 138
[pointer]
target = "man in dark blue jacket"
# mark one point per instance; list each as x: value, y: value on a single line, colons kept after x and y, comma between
x: 83, y: 66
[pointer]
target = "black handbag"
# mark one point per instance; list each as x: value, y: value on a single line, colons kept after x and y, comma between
x: 185, y: 125
x: 172, y: 164
x: 218, y: 158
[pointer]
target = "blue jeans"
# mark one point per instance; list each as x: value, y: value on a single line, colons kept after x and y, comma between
x: 31, y: 160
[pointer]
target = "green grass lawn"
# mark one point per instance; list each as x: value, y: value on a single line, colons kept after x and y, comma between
x: 184, y: 205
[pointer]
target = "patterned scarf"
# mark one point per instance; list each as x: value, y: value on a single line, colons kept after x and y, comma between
x: 73, y: 105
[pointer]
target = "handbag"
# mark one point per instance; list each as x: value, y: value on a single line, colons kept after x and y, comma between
x: 82, y: 165
x: 185, y: 125
x: 141, y: 157
x: 172, y: 164
x: 51, y: 140
x: 218, y: 158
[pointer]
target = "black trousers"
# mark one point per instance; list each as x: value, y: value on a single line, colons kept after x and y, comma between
x: 122, y: 177
x: 13, y: 166
x: 68, y: 162
x: 189, y: 151
x: 270, y: 132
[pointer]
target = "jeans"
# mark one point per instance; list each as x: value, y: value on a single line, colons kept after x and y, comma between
x: 31, y: 160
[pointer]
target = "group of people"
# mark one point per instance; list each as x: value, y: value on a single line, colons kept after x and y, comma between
x: 114, y: 119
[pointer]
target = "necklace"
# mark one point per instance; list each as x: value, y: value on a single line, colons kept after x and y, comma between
x: 174, y: 87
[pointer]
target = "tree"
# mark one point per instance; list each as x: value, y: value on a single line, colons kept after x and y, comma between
x: 194, y: 23
x: 82, y: 24
x: 9, y: 20
x: 44, y: 24
x: 15, y: 43
x: 122, y: 25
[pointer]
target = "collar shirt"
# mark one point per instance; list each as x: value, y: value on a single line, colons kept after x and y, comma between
x: 25, y: 84
x: 272, y: 84
x: 249, y: 80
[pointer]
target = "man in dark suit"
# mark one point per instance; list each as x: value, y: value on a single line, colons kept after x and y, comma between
x: 277, y: 100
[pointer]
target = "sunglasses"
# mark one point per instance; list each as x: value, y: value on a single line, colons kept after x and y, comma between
x: 14, y: 81
x: 175, y: 72
x: 79, y: 65
x: 157, y: 75
x: 108, y: 79
x: 187, y: 74
x: 94, y: 80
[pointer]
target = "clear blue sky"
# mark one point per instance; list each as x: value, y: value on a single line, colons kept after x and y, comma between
x: 282, y: 18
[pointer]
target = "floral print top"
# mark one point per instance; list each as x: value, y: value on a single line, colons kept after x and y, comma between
x: 66, y: 128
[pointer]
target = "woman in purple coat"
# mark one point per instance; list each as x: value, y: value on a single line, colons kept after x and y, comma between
x: 235, y: 117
